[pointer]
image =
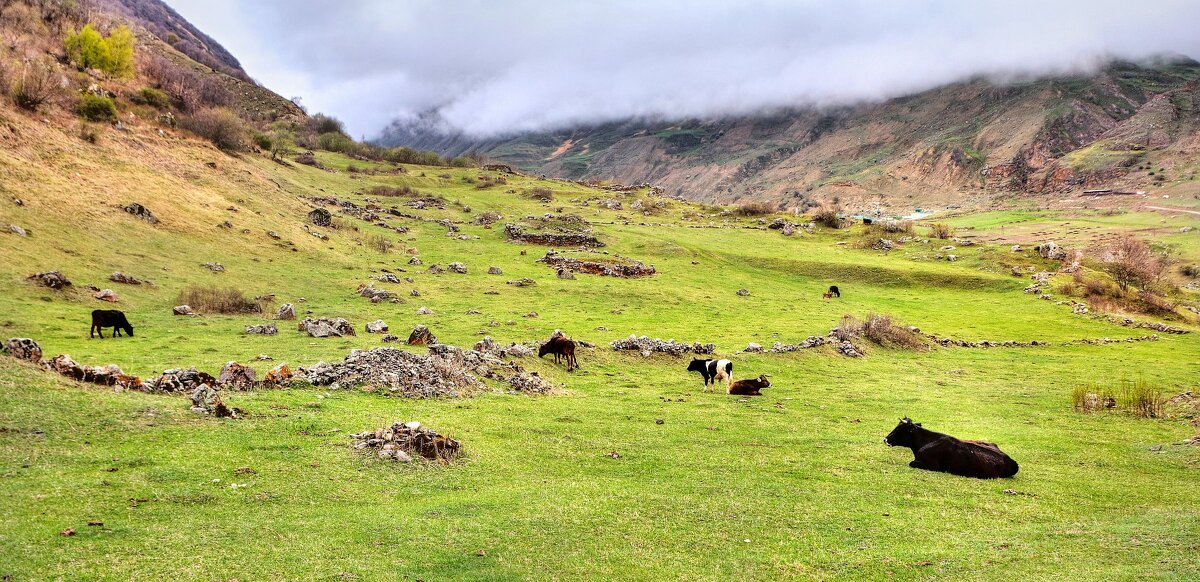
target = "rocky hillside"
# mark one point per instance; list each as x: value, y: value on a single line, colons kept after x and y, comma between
x: 1131, y: 126
x: 168, y: 26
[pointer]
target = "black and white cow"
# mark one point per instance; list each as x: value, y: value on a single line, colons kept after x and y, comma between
x: 713, y: 370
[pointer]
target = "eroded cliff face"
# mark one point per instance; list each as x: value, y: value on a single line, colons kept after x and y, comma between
x: 955, y: 145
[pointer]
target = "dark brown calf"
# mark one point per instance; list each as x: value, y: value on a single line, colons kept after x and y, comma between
x: 752, y: 387
x: 562, y: 348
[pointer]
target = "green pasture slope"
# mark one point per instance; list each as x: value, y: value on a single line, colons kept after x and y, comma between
x: 796, y: 484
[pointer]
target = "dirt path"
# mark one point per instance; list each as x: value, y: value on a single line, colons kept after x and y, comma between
x: 1170, y: 209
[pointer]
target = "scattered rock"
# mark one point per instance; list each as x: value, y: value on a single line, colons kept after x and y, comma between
x: 884, y: 244
x: 183, y: 310
x: 207, y: 400
x: 23, y: 348
x: 743, y: 292
x: 531, y: 314
x: 435, y: 270
x: 951, y: 258
x: 51, y: 279
x: 389, y: 338
x: 369, y: 291
x: 753, y: 347
x: 107, y: 295
x: 287, y: 311
x: 1052, y: 251
x: 236, y: 376
x: 273, y: 234
x: 141, y: 212
x: 388, y: 278
x: 459, y: 268
x: 326, y: 327
x: 264, y: 329
x: 17, y: 230
x: 421, y: 336
x: 377, y: 326
x: 415, y: 261
x: 530, y: 383
x: 396, y: 442
x: 214, y: 267
x: 847, y: 349
x: 109, y: 375
x: 424, y: 311
x: 494, y: 270
x: 178, y: 380
x: 609, y: 266
x: 524, y: 282
x: 124, y: 279
x: 280, y: 375
x: 320, y: 217
x: 565, y: 274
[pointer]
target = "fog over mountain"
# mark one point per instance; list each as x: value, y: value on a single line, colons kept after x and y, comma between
x: 501, y: 67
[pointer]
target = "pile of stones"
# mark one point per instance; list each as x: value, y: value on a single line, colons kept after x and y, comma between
x: 400, y: 441
x: 326, y: 327
x: 647, y: 346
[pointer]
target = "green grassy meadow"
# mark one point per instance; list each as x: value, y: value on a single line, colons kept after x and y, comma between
x: 796, y: 484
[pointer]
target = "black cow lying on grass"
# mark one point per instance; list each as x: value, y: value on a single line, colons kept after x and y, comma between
x: 751, y: 387
x: 102, y: 318
x: 934, y: 451
x: 713, y: 370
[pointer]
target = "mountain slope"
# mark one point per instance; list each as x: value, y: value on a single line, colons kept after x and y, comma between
x: 960, y: 144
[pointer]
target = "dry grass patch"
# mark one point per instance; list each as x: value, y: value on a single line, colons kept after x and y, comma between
x: 227, y: 301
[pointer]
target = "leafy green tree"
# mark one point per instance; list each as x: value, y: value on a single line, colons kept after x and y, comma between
x: 113, y: 54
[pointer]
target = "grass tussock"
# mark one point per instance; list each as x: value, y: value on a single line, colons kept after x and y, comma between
x: 227, y: 301
x: 1138, y: 399
x: 829, y: 218
x: 379, y: 243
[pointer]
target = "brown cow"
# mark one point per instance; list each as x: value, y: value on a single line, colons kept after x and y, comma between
x: 934, y: 451
x: 562, y: 347
x: 752, y: 387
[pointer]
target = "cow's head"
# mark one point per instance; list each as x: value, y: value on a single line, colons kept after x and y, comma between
x: 902, y: 435
x: 128, y: 328
x: 545, y: 349
x: 697, y: 365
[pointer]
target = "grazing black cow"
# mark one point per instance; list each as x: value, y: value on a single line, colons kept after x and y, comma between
x: 934, y: 451
x: 834, y: 291
x: 752, y: 387
x: 713, y: 370
x: 102, y: 318
x: 561, y: 347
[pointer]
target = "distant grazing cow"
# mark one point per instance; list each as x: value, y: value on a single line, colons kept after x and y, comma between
x: 562, y: 348
x: 102, y: 318
x: 834, y: 291
x: 713, y: 370
x: 752, y: 387
x: 934, y: 451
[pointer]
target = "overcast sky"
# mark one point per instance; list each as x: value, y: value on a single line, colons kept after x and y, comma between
x: 495, y: 66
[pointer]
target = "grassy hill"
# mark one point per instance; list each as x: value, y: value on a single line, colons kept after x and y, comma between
x: 794, y: 484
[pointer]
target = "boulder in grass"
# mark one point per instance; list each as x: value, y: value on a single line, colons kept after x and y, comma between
x: 237, y: 377
x: 51, y: 279
x: 287, y: 311
x: 278, y: 376
x: 377, y: 326
x: 183, y: 310
x: 141, y: 212
x: 421, y: 336
x: 494, y: 270
x: 107, y: 295
x: 207, y: 400
x: 320, y: 217
x: 326, y: 327
x: 124, y: 279
x: 178, y: 380
x: 264, y: 329
x: 23, y: 348
x: 459, y: 268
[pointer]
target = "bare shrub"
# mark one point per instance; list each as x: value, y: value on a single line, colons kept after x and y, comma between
x: 754, y: 209
x: 404, y: 190
x: 541, y: 193
x: 1130, y: 261
x: 1192, y: 271
x: 188, y: 89
x: 849, y: 328
x: 37, y: 84
x: 379, y: 243
x: 941, y: 230
x: 229, y: 301
x: 829, y: 218
x: 220, y: 126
